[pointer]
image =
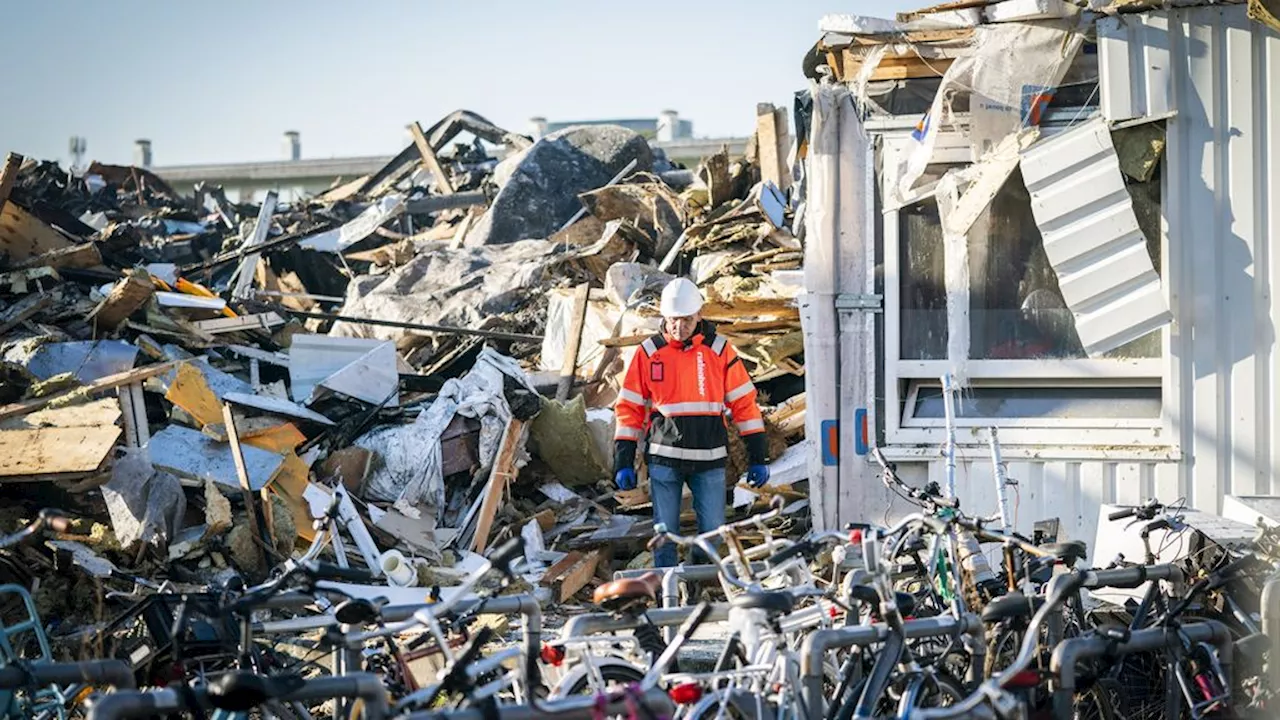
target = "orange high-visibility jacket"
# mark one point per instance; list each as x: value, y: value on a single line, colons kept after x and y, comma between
x: 676, y: 396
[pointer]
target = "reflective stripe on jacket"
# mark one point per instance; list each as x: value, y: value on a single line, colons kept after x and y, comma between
x: 676, y: 396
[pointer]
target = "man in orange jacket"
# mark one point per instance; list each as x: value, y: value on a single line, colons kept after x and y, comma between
x: 677, y: 390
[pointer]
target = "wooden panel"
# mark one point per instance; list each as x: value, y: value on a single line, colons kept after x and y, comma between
x: 22, y: 235
x: 53, y: 451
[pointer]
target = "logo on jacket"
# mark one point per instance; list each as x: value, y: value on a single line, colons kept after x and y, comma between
x: 702, y: 375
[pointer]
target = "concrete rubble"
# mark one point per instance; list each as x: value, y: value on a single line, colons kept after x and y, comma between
x: 199, y: 379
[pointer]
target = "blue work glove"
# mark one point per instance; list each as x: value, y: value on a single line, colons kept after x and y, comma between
x: 625, y: 479
x: 757, y: 475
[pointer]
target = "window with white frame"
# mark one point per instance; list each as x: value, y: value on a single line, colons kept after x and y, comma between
x: 1027, y: 369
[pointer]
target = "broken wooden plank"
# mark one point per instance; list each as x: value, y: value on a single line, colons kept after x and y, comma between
x: 628, y: 341
x: 97, y: 413
x: 773, y: 142
x: 569, y: 368
x: 504, y: 471
x: 256, y: 519
x: 136, y: 430
x: 571, y: 574
x: 23, y: 310
x: 715, y: 173
x: 85, y: 255
x: 260, y: 321
x: 127, y: 297
x: 107, y: 383
x: 8, y: 175
x: 430, y: 161
x: 23, y: 235
x: 55, y: 450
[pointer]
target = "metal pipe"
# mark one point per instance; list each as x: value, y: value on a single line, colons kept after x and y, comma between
x: 436, y: 203
x: 1068, y: 654
x: 526, y: 605
x: 670, y: 599
x: 133, y: 704
x: 574, y: 708
x: 601, y: 623
x: 817, y: 644
x: 115, y: 673
x: 1271, y: 627
x: 687, y: 573
x: 1131, y: 577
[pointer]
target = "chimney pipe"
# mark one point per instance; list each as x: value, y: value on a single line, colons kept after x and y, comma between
x: 292, y: 145
x: 142, y: 153
x: 537, y: 127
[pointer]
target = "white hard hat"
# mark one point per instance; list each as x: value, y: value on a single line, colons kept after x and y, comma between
x: 680, y: 298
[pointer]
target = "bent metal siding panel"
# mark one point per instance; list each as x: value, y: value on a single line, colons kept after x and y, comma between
x: 1220, y: 74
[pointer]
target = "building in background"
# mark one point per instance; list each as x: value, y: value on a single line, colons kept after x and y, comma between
x: 295, y: 178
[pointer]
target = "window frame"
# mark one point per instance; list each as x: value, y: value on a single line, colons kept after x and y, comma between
x: 902, y: 376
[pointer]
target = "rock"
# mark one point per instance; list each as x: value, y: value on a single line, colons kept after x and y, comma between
x: 539, y: 187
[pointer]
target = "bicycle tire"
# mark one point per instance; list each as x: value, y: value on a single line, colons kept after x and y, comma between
x: 945, y: 693
x: 616, y: 674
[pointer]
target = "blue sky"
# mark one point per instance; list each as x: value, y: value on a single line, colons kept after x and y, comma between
x: 220, y: 82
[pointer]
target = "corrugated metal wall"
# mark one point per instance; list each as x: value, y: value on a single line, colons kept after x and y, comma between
x: 1220, y: 74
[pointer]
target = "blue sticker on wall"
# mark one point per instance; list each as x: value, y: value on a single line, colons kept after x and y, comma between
x: 830, y: 443
x: 862, y: 446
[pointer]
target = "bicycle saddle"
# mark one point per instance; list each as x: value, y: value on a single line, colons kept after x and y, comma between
x: 773, y: 603
x: 1070, y: 552
x: 1010, y: 606
x: 906, y: 602
x: 358, y: 611
x: 240, y: 691
x: 618, y: 594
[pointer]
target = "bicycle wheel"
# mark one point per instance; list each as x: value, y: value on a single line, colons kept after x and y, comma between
x: 614, y: 676
x: 929, y: 690
x: 732, y: 705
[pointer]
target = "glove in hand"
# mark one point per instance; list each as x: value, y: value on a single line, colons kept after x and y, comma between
x: 757, y: 475
x: 625, y: 479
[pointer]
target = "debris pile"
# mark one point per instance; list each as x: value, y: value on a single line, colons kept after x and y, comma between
x: 412, y: 365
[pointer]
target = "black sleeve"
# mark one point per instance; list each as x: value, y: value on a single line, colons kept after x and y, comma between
x: 757, y: 448
x: 624, y: 454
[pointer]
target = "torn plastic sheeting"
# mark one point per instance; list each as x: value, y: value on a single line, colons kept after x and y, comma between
x: 955, y: 249
x: 146, y: 504
x: 364, y: 224
x: 88, y: 360
x: 1012, y: 74
x: 409, y: 471
x: 460, y: 287
x: 857, y: 25
x: 788, y: 469
x: 599, y: 323
x: 626, y: 284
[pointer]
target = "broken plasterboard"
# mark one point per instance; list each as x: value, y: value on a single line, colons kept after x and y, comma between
x: 364, y: 369
x: 88, y: 360
x: 373, y: 217
x: 194, y: 456
x: 1092, y: 237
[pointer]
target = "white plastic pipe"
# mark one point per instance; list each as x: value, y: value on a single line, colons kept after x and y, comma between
x: 399, y: 571
x: 948, y: 403
x: 1002, y: 482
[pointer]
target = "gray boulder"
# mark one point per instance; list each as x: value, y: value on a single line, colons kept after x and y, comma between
x: 539, y: 187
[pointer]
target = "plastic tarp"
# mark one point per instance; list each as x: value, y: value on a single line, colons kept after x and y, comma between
x: 602, y: 316
x: 1012, y: 74
x: 146, y: 505
x: 458, y: 287
x: 409, y: 471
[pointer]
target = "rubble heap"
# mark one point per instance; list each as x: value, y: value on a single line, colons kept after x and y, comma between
x: 424, y: 358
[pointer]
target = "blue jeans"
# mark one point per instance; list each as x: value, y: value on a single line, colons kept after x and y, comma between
x: 665, y: 486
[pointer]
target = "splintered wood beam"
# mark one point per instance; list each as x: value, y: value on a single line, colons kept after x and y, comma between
x: 504, y: 471
x: 430, y: 161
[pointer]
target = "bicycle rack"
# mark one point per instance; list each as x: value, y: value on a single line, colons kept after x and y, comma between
x: 51, y: 698
x: 1069, y: 653
x: 817, y: 644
